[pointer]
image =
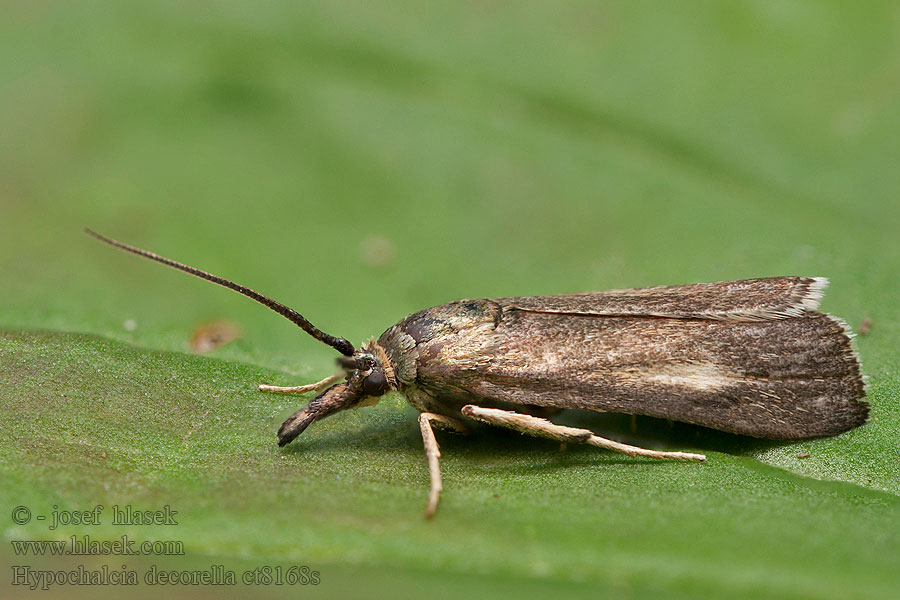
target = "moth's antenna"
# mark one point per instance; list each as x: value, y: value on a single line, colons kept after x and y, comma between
x: 338, y: 343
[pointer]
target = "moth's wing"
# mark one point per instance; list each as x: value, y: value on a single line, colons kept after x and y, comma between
x: 785, y: 378
x: 744, y: 300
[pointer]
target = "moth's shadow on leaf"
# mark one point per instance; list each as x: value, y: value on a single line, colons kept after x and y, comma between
x: 399, y: 431
x: 386, y: 430
x: 659, y: 434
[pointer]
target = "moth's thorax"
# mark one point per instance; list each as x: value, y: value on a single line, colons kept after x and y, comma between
x: 413, y: 346
x: 396, y: 350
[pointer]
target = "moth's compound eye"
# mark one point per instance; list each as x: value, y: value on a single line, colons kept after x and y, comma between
x: 375, y: 383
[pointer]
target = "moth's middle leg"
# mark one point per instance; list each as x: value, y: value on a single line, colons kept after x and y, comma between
x: 538, y: 427
x: 433, y: 453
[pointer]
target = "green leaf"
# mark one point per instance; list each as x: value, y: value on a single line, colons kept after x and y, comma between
x: 363, y: 162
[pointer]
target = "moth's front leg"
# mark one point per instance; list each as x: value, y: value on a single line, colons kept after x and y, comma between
x: 301, y: 389
x: 433, y: 453
x: 538, y: 427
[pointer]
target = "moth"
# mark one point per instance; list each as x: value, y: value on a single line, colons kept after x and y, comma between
x: 752, y: 357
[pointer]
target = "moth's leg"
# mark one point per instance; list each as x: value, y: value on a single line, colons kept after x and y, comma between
x: 433, y: 453
x: 301, y: 389
x: 543, y: 428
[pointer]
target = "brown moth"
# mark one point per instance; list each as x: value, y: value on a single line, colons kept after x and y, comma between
x: 752, y: 357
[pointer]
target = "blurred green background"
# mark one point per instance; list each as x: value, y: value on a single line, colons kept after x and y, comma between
x: 362, y: 161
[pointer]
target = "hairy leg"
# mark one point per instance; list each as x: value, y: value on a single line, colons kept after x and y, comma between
x: 301, y: 389
x: 433, y: 453
x: 543, y: 428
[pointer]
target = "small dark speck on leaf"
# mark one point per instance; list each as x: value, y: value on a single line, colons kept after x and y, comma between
x: 865, y: 327
x: 496, y: 495
x: 212, y: 335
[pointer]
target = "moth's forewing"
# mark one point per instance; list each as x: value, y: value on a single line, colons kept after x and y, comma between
x: 746, y: 299
x: 785, y: 377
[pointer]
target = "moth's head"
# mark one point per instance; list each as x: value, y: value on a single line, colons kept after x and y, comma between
x: 365, y: 373
x: 367, y: 379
